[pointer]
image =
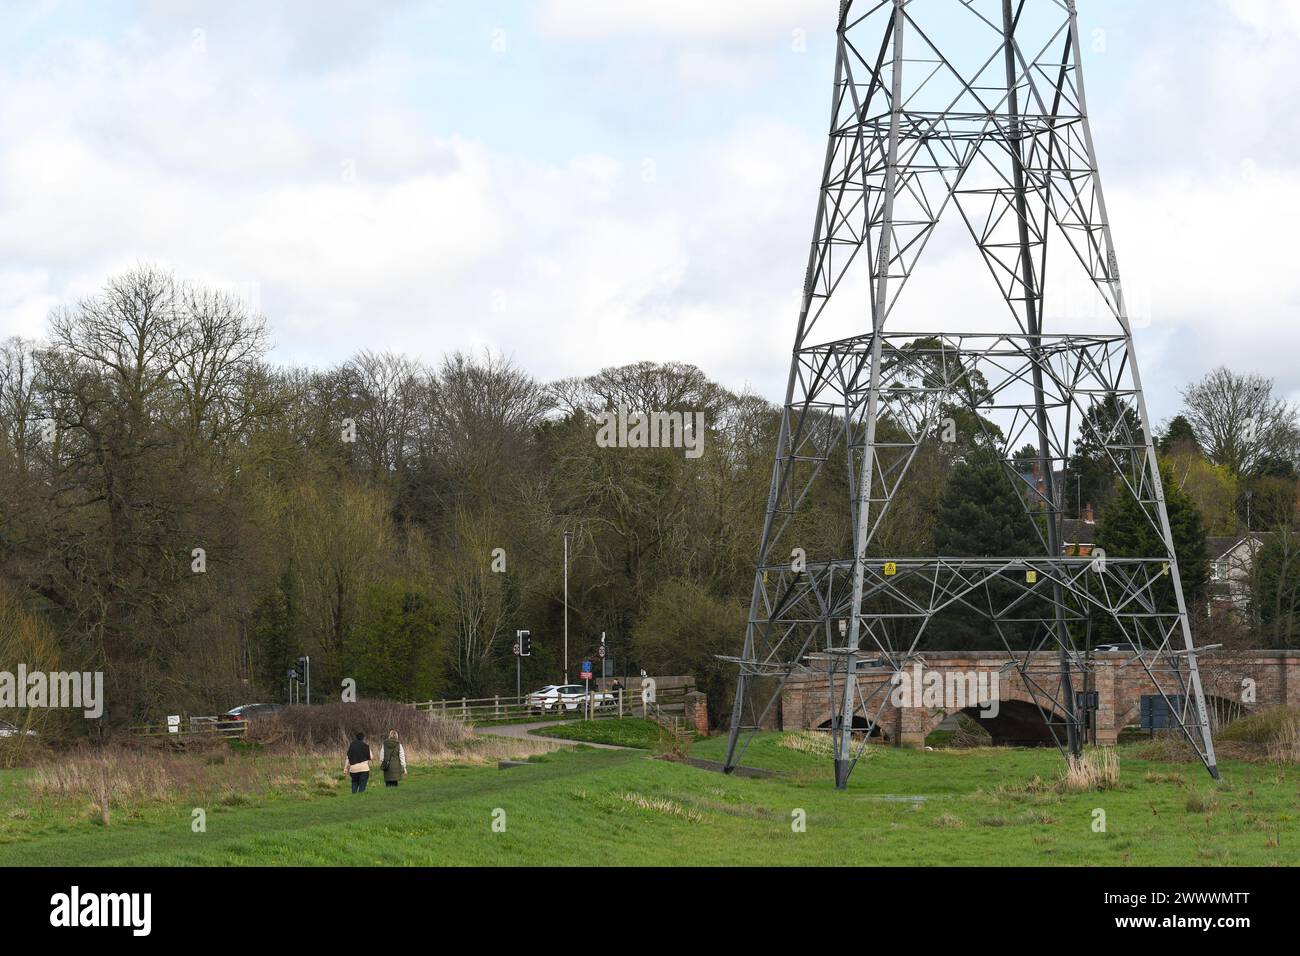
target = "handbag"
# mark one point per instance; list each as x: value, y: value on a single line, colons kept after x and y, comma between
x: 383, y: 765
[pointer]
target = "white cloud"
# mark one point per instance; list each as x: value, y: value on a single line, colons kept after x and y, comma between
x: 229, y: 167
x: 714, y: 20
x: 1268, y: 16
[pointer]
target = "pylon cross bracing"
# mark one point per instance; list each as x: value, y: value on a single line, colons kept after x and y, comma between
x: 974, y: 112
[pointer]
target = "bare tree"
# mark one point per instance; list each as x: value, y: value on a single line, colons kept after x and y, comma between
x: 19, y: 402
x: 476, y: 593
x: 1239, y: 423
x: 218, y: 351
x: 480, y: 425
x: 391, y: 388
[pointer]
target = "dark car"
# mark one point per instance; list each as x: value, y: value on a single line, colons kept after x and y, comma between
x: 248, y: 712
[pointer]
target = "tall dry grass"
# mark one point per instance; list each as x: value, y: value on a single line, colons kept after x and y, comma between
x: 1094, y: 770
x: 817, y: 743
x: 122, y: 778
x: 1285, y: 745
x: 298, y: 752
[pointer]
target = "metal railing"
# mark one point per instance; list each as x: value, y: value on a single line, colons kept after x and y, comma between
x: 594, y: 705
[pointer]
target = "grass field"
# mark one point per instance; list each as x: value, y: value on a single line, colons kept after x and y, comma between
x: 584, y: 806
x: 628, y: 732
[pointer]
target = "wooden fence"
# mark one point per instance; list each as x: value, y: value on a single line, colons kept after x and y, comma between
x: 198, y: 727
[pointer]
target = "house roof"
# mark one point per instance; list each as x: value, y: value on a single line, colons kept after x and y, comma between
x: 1220, y: 547
x: 1077, y: 531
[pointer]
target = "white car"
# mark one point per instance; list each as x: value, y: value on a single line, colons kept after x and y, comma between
x: 10, y: 730
x: 570, y: 697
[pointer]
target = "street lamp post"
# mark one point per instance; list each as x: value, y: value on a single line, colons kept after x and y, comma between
x: 566, y: 606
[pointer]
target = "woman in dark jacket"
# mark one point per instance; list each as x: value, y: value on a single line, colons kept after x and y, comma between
x: 357, y: 763
x: 392, y: 760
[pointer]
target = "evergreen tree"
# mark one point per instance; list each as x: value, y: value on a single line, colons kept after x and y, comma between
x: 1127, y: 530
x: 1094, y: 466
x: 1179, y: 434
x: 981, y: 514
x: 1275, y: 590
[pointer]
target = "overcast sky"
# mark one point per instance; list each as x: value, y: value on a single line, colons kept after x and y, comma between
x: 582, y: 183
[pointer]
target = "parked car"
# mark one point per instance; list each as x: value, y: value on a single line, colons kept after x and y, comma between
x: 248, y: 712
x: 553, y: 698
x: 11, y: 730
x: 1116, y: 648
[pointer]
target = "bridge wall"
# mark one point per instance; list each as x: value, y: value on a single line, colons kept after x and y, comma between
x: 1119, y: 681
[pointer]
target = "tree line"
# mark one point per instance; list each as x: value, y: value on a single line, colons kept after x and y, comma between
x: 190, y: 518
x: 183, y: 514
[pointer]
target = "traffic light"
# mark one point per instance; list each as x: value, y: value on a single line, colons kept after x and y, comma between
x: 525, y: 644
x: 299, y: 672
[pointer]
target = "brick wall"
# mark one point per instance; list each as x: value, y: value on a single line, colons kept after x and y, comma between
x: 697, y: 712
x: 1120, y: 684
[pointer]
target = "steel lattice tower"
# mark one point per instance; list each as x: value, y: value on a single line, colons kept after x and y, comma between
x: 974, y: 109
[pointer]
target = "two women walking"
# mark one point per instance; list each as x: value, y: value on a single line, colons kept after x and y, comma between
x: 392, y: 761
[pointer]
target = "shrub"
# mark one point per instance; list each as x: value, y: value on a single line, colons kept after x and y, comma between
x: 969, y: 733
x: 329, y: 728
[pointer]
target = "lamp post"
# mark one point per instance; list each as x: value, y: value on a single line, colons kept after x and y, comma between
x: 566, y: 605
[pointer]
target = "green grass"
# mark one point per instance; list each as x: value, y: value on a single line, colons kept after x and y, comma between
x: 573, y: 715
x: 602, y: 807
x: 628, y: 732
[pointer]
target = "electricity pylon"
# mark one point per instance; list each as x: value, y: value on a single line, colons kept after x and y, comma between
x: 970, y: 111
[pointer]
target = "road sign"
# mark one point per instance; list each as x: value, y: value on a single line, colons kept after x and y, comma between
x: 602, y: 652
x: 174, y: 723
x: 586, y: 670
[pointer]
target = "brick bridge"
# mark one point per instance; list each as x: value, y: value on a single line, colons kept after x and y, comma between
x: 1119, y: 680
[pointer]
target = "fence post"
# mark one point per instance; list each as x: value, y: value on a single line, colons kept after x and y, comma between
x: 496, y: 706
x: 462, y: 708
